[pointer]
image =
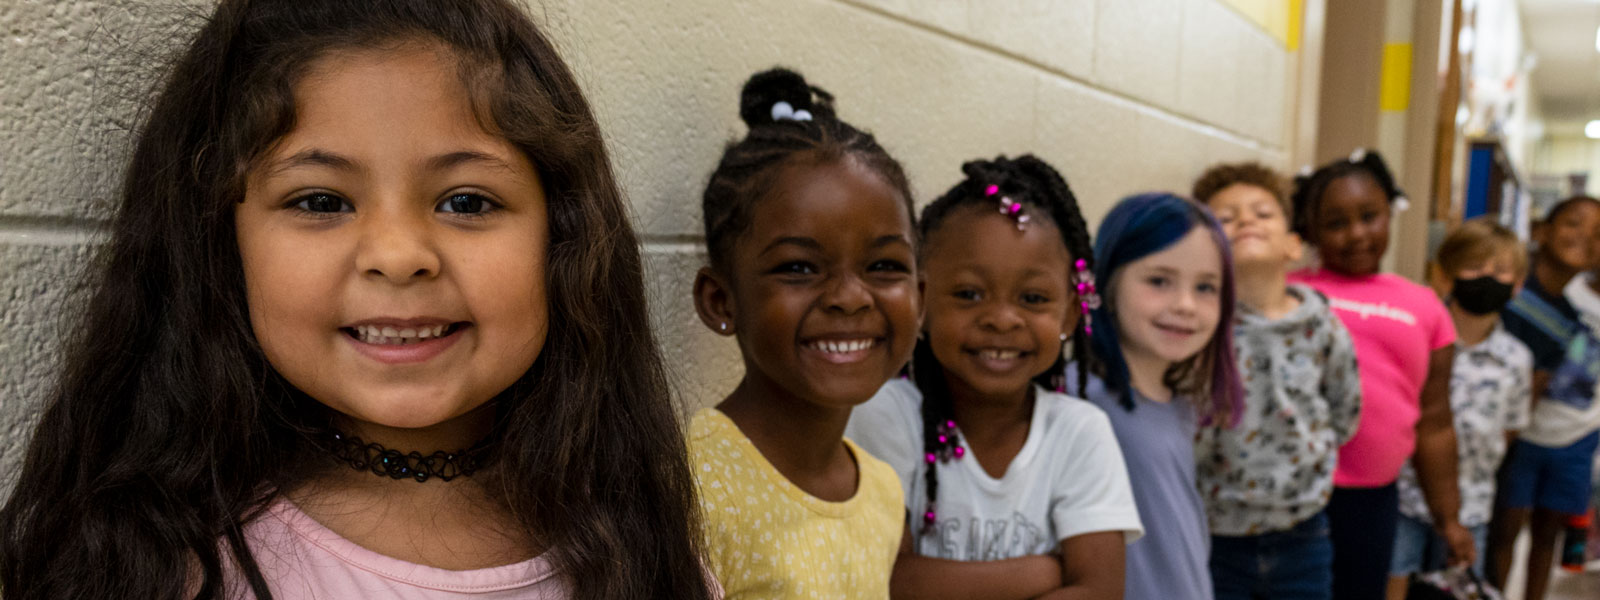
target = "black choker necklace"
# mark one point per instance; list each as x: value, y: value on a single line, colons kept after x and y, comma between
x: 445, y: 466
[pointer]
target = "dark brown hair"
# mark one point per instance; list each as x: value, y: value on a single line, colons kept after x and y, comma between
x: 1219, y: 177
x: 169, y: 430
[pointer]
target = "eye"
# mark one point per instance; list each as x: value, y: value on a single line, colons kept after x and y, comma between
x: 1207, y: 288
x: 469, y: 204
x: 968, y: 294
x: 1334, y: 225
x: 1035, y: 298
x: 795, y: 267
x: 1368, y: 217
x: 323, y: 203
x: 1157, y: 281
x: 892, y: 266
x: 1225, y: 217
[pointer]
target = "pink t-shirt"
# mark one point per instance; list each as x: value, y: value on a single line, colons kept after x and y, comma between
x: 1395, y: 325
x: 301, y: 559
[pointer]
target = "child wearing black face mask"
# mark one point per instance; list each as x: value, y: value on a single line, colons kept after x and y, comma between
x: 1481, y: 265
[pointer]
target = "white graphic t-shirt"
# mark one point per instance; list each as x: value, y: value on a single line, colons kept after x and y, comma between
x: 1068, y: 479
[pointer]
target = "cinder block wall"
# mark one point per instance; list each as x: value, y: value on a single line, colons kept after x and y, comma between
x: 1122, y: 95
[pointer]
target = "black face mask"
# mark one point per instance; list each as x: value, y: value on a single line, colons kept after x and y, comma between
x: 1481, y: 296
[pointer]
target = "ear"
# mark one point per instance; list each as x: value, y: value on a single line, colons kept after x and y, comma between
x: 1440, y: 281
x: 1069, y: 325
x: 713, y: 301
x: 1074, y: 315
x: 1295, y: 248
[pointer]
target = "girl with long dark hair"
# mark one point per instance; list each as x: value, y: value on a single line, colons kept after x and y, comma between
x: 343, y: 340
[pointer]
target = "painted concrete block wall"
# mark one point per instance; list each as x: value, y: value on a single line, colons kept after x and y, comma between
x: 1122, y: 95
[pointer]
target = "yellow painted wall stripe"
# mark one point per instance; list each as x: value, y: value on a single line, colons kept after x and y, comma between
x: 1280, y: 18
x: 1297, y: 12
x: 1394, y: 93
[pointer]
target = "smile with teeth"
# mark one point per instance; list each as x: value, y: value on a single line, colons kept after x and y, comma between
x: 842, y: 346
x: 399, y: 336
x: 995, y: 354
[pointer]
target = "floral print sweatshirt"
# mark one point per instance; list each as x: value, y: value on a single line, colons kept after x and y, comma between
x: 1274, y: 469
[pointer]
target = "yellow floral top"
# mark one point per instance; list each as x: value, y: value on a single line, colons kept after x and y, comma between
x: 768, y: 539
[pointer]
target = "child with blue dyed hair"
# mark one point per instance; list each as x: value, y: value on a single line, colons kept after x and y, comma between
x: 1163, y: 341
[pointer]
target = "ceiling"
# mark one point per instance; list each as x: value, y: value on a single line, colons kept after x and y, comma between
x: 1561, y: 34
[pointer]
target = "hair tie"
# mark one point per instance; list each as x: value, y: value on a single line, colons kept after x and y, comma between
x: 1008, y: 207
x: 783, y: 111
x: 1401, y: 204
x: 1358, y: 155
x: 949, y: 448
x: 1088, y: 296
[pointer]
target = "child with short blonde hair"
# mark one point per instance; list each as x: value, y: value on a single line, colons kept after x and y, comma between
x: 1481, y: 266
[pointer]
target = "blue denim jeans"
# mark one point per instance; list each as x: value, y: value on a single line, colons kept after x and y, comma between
x: 1296, y: 564
x: 1417, y: 549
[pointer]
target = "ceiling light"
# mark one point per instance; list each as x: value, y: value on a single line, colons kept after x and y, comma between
x: 1597, y: 40
x: 1592, y: 130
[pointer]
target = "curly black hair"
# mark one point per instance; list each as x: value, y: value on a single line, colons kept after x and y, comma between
x: 750, y: 166
x: 1309, y: 189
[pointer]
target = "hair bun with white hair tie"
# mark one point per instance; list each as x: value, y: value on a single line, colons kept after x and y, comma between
x: 783, y: 111
x: 780, y: 95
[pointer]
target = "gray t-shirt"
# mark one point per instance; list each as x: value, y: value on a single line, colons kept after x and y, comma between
x: 1157, y: 439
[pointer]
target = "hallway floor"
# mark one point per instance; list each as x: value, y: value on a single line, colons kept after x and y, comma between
x: 1563, y: 585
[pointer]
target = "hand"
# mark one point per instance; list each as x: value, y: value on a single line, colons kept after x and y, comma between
x: 1463, y: 548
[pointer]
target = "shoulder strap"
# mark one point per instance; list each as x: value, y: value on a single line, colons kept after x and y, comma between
x: 1544, y: 316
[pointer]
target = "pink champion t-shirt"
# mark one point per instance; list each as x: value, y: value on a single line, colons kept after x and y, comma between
x: 1395, y: 325
x: 301, y: 559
